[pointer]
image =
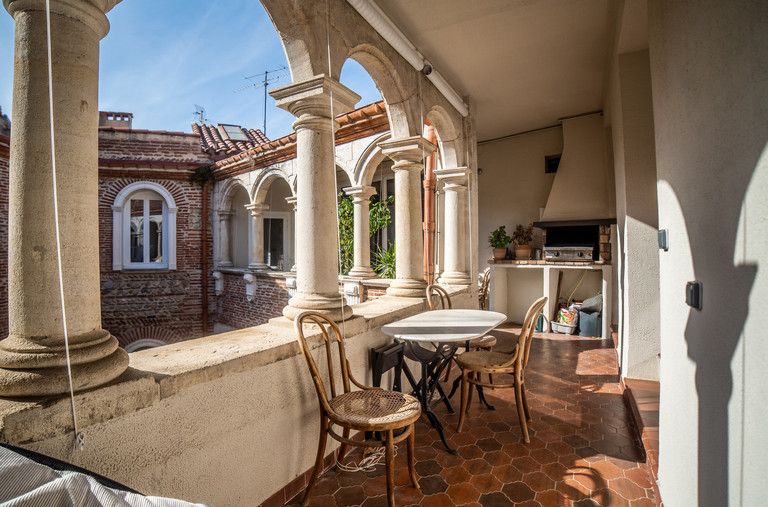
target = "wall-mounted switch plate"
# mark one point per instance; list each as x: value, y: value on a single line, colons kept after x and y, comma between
x: 664, y: 239
x: 693, y: 294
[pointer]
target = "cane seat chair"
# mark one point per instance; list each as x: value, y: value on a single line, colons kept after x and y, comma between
x: 369, y: 409
x: 438, y: 298
x: 475, y: 363
x: 483, y: 290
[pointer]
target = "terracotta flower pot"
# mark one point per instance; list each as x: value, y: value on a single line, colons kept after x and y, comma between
x: 522, y: 252
x: 499, y: 254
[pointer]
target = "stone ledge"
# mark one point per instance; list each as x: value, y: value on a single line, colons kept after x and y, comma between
x: 159, y: 373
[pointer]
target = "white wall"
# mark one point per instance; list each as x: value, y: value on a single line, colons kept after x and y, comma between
x: 710, y: 102
x: 630, y: 113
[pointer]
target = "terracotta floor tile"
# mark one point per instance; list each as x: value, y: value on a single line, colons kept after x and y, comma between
x: 582, y: 451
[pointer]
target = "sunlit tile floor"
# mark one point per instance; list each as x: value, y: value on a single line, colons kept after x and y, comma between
x: 582, y: 449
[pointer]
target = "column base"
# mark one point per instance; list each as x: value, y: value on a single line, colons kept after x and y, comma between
x: 325, y: 304
x: 453, y: 278
x: 362, y: 272
x: 31, y: 369
x: 407, y: 288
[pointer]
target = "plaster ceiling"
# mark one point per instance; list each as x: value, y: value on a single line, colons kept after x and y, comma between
x: 523, y: 63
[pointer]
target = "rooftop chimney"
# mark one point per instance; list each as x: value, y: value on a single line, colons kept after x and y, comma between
x: 110, y: 119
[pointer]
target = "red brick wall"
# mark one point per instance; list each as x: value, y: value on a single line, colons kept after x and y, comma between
x: 270, y: 295
x: 150, y: 146
x: 4, y: 143
x: 164, y: 305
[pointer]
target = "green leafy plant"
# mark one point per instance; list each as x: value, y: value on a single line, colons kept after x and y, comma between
x: 201, y: 175
x: 523, y: 235
x: 499, y: 238
x: 384, y: 261
x: 379, y: 218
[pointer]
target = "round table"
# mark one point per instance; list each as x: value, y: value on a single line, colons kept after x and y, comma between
x: 447, y: 330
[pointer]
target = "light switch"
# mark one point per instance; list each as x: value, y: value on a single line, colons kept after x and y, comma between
x: 693, y: 294
x: 664, y: 239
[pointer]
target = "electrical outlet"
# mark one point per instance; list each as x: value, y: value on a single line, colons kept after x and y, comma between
x: 693, y: 294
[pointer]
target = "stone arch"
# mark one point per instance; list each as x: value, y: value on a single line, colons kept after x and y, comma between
x: 144, y: 343
x: 227, y: 191
x: 369, y: 161
x: 127, y: 190
x: 264, y: 181
x: 388, y: 81
x: 449, y: 136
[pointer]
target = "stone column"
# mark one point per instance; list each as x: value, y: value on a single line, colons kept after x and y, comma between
x: 225, y: 257
x: 408, y: 155
x: 32, y: 357
x: 256, y: 260
x: 292, y: 202
x: 361, y: 198
x: 317, y: 275
x: 454, y: 183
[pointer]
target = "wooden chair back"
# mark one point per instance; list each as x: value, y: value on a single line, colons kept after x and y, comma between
x: 330, y: 333
x: 485, y: 284
x: 525, y: 339
x: 435, y: 292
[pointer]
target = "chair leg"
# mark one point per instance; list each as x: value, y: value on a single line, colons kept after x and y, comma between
x: 521, y: 411
x: 324, y: 424
x: 525, y: 403
x: 490, y: 379
x: 448, y: 371
x: 472, y: 389
x: 412, y: 458
x: 343, y: 448
x: 390, y: 459
x: 464, y: 395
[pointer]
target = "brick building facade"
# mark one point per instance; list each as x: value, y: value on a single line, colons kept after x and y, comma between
x: 151, y: 305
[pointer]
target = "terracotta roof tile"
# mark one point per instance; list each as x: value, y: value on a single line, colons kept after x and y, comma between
x: 213, y: 141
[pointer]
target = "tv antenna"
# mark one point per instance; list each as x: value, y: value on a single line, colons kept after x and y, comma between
x: 264, y: 81
x: 199, y: 114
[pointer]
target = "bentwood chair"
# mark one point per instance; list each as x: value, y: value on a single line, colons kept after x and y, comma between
x: 475, y: 363
x: 438, y: 298
x: 482, y: 292
x: 368, y: 410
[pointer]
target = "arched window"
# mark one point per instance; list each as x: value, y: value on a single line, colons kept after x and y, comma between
x: 144, y: 228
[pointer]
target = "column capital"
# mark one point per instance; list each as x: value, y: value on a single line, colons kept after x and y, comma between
x: 360, y: 193
x: 456, y: 176
x: 292, y: 200
x: 310, y: 100
x: 89, y: 12
x: 224, y: 214
x: 257, y: 209
x: 407, y: 152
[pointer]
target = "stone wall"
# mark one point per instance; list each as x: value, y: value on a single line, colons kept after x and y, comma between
x: 233, y: 309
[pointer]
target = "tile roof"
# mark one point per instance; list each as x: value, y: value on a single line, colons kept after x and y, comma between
x: 214, y: 140
x: 361, y: 122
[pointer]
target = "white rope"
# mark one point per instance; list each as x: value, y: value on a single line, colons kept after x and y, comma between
x: 79, y: 437
x: 368, y: 463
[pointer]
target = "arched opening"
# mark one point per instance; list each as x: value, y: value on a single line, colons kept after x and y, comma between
x: 278, y: 226
x: 238, y: 228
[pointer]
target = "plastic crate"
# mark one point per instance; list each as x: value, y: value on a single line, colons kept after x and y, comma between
x: 559, y: 327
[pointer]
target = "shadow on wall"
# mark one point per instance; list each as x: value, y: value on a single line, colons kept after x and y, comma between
x: 714, y: 333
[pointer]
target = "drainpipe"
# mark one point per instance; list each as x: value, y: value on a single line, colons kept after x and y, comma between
x: 430, y: 185
x: 204, y: 245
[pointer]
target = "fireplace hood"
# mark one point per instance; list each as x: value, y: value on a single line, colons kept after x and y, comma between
x: 582, y: 190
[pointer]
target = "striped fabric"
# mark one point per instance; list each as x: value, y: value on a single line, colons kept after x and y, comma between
x: 26, y: 483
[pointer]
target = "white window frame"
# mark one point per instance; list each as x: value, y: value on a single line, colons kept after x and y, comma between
x: 121, y: 228
x: 285, y: 216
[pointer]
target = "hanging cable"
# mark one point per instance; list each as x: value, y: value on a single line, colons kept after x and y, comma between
x: 79, y: 437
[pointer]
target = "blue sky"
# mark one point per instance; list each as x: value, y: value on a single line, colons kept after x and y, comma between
x: 161, y: 58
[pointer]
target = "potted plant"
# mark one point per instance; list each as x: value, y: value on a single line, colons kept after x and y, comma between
x: 522, y: 238
x: 499, y: 239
